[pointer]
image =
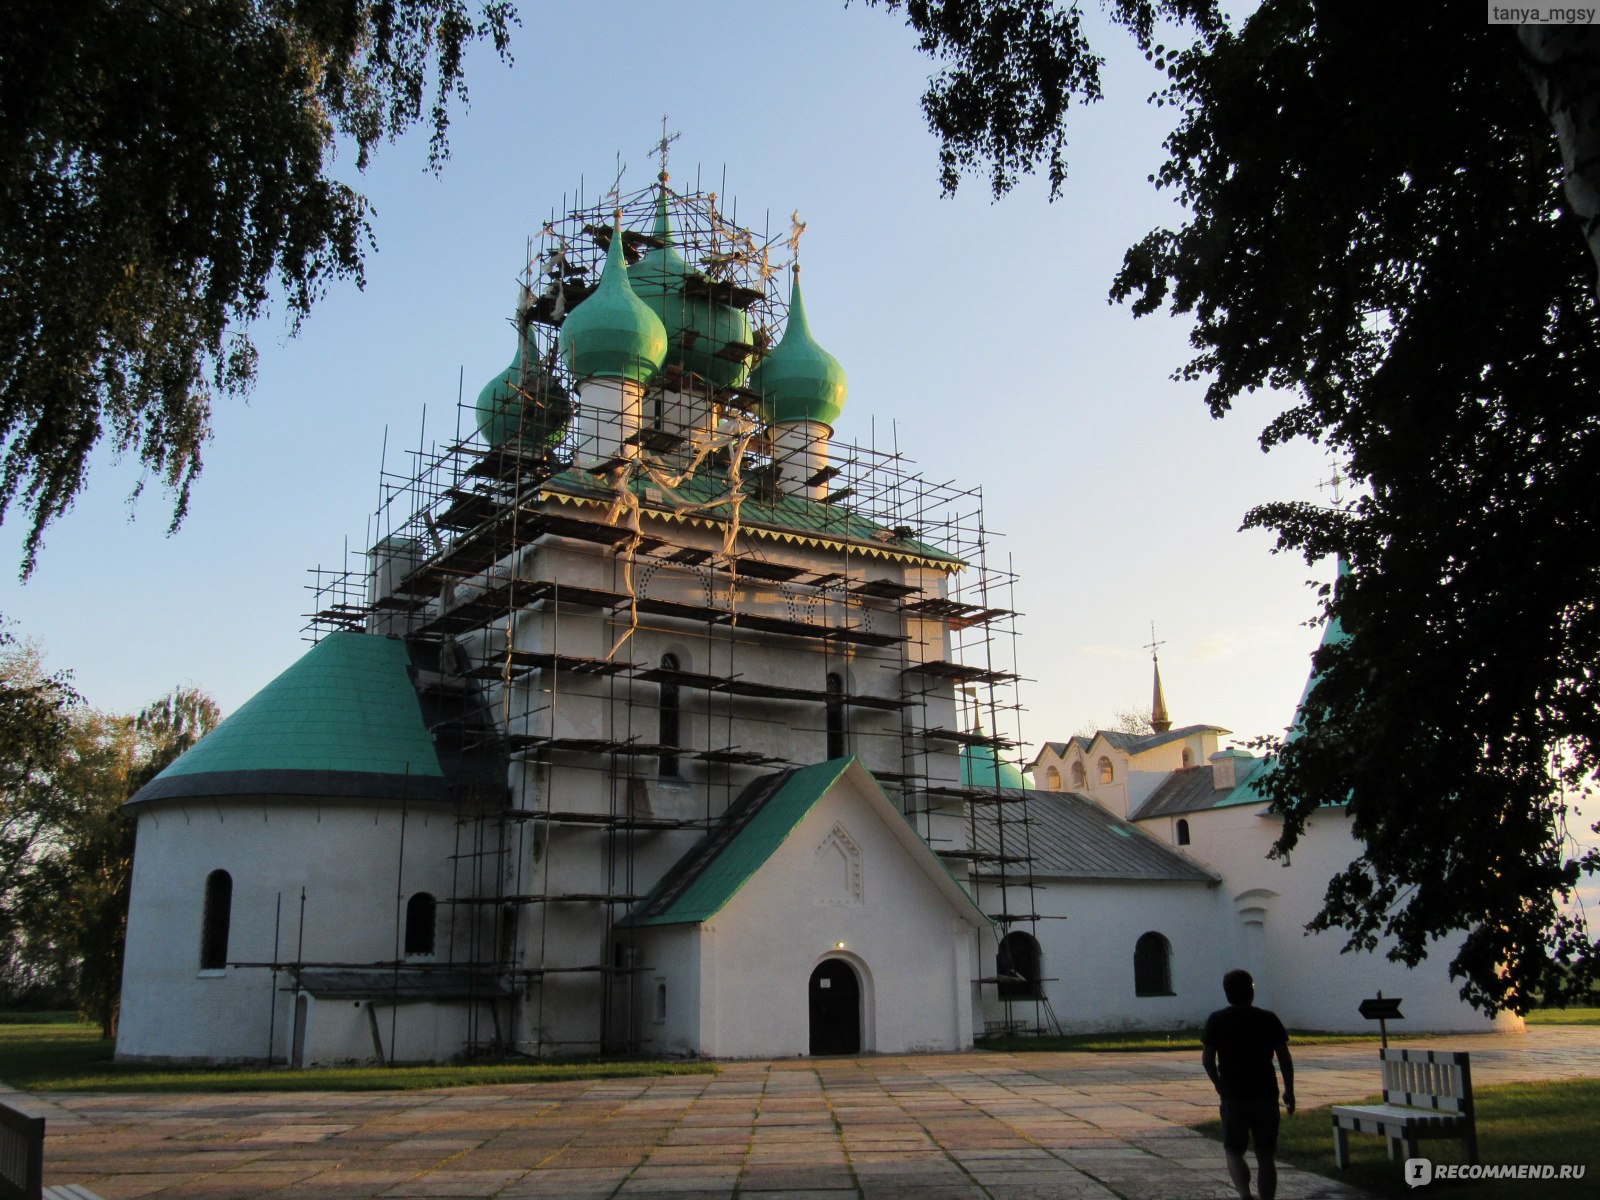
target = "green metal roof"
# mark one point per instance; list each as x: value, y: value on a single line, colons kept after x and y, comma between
x: 711, y: 874
x: 613, y: 334
x: 344, y: 720
x: 701, y: 883
x: 799, y: 380
x: 706, y: 495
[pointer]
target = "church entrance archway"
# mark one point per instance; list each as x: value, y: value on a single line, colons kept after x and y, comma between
x: 835, y: 999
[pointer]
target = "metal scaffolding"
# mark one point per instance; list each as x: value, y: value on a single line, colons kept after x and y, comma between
x: 492, y: 553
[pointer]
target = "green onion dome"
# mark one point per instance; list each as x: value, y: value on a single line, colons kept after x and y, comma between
x: 799, y: 380
x: 613, y: 334
x: 532, y: 410
x: 982, y: 768
x: 699, y: 331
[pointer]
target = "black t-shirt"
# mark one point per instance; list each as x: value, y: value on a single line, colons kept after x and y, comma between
x: 1244, y: 1038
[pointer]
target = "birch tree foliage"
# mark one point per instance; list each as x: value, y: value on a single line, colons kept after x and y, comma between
x: 163, y: 168
x: 1384, y: 225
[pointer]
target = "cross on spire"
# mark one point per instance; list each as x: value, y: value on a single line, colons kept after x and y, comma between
x: 659, y: 150
x: 1333, y: 483
x: 797, y: 229
x: 1160, y: 721
x: 1152, y: 645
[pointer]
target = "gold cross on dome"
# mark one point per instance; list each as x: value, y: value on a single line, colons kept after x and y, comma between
x: 659, y: 150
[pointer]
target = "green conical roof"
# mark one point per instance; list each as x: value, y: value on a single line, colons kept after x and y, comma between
x: 699, y: 331
x: 799, y: 380
x: 532, y: 405
x: 613, y: 334
x: 344, y: 720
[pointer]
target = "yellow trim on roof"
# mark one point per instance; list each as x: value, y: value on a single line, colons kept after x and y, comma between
x: 781, y: 535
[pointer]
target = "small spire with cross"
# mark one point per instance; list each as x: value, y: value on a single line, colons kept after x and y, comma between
x: 659, y: 150
x: 1160, y: 721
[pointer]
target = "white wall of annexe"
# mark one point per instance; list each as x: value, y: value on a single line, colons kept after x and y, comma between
x: 1308, y: 978
x: 347, y: 855
x: 843, y: 885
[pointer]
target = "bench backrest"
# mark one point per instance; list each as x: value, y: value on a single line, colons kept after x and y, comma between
x: 21, y: 1155
x: 1436, y: 1079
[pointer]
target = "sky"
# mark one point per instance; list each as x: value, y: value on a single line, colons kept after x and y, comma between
x: 976, y: 334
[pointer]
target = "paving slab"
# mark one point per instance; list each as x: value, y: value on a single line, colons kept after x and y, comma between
x: 975, y: 1126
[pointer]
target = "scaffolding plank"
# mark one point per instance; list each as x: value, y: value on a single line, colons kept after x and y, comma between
x: 677, y: 608
x: 569, y: 526
x: 975, y: 795
x: 631, y: 821
x: 758, y: 568
x: 964, y: 737
x: 735, y: 756
x: 960, y: 672
x: 884, y: 589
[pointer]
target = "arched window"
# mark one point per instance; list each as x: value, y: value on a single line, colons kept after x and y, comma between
x: 835, y: 717
x: 1105, y: 769
x: 1052, y: 779
x: 1188, y: 757
x: 1017, y: 966
x: 421, y: 918
x: 1080, y: 777
x: 217, y: 918
x: 1152, y: 966
x: 671, y: 712
x: 1183, y: 832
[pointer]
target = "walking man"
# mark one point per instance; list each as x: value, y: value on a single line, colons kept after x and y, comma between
x: 1239, y: 1043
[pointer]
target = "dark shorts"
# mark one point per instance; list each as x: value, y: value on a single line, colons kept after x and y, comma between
x: 1253, y: 1120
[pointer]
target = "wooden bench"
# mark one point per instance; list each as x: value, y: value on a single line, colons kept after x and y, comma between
x: 21, y: 1155
x: 22, y: 1161
x: 1426, y: 1094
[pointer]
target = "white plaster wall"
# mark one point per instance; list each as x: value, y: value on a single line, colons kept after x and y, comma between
x: 346, y: 856
x: 674, y: 955
x: 1304, y: 977
x: 909, y: 946
x: 1088, y: 956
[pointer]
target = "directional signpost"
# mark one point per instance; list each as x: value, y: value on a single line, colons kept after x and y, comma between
x: 1382, y: 1009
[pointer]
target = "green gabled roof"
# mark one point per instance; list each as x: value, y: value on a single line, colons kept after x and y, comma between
x: 705, y: 497
x: 344, y: 720
x: 706, y: 878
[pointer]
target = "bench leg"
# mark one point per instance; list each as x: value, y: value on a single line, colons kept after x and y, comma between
x: 1341, y: 1147
x: 1411, y: 1145
x: 1470, y: 1143
x: 1394, y: 1146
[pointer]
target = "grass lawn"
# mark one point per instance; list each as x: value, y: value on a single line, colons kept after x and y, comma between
x: 65, y: 1055
x: 1564, y: 1016
x: 1189, y: 1038
x: 1517, y: 1123
x: 1147, y: 1039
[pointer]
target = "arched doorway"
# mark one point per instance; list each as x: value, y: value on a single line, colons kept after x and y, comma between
x: 835, y: 1000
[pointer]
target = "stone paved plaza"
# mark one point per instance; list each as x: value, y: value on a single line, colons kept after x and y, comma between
x: 936, y: 1127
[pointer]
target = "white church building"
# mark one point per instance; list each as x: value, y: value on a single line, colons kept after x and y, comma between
x: 650, y: 725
